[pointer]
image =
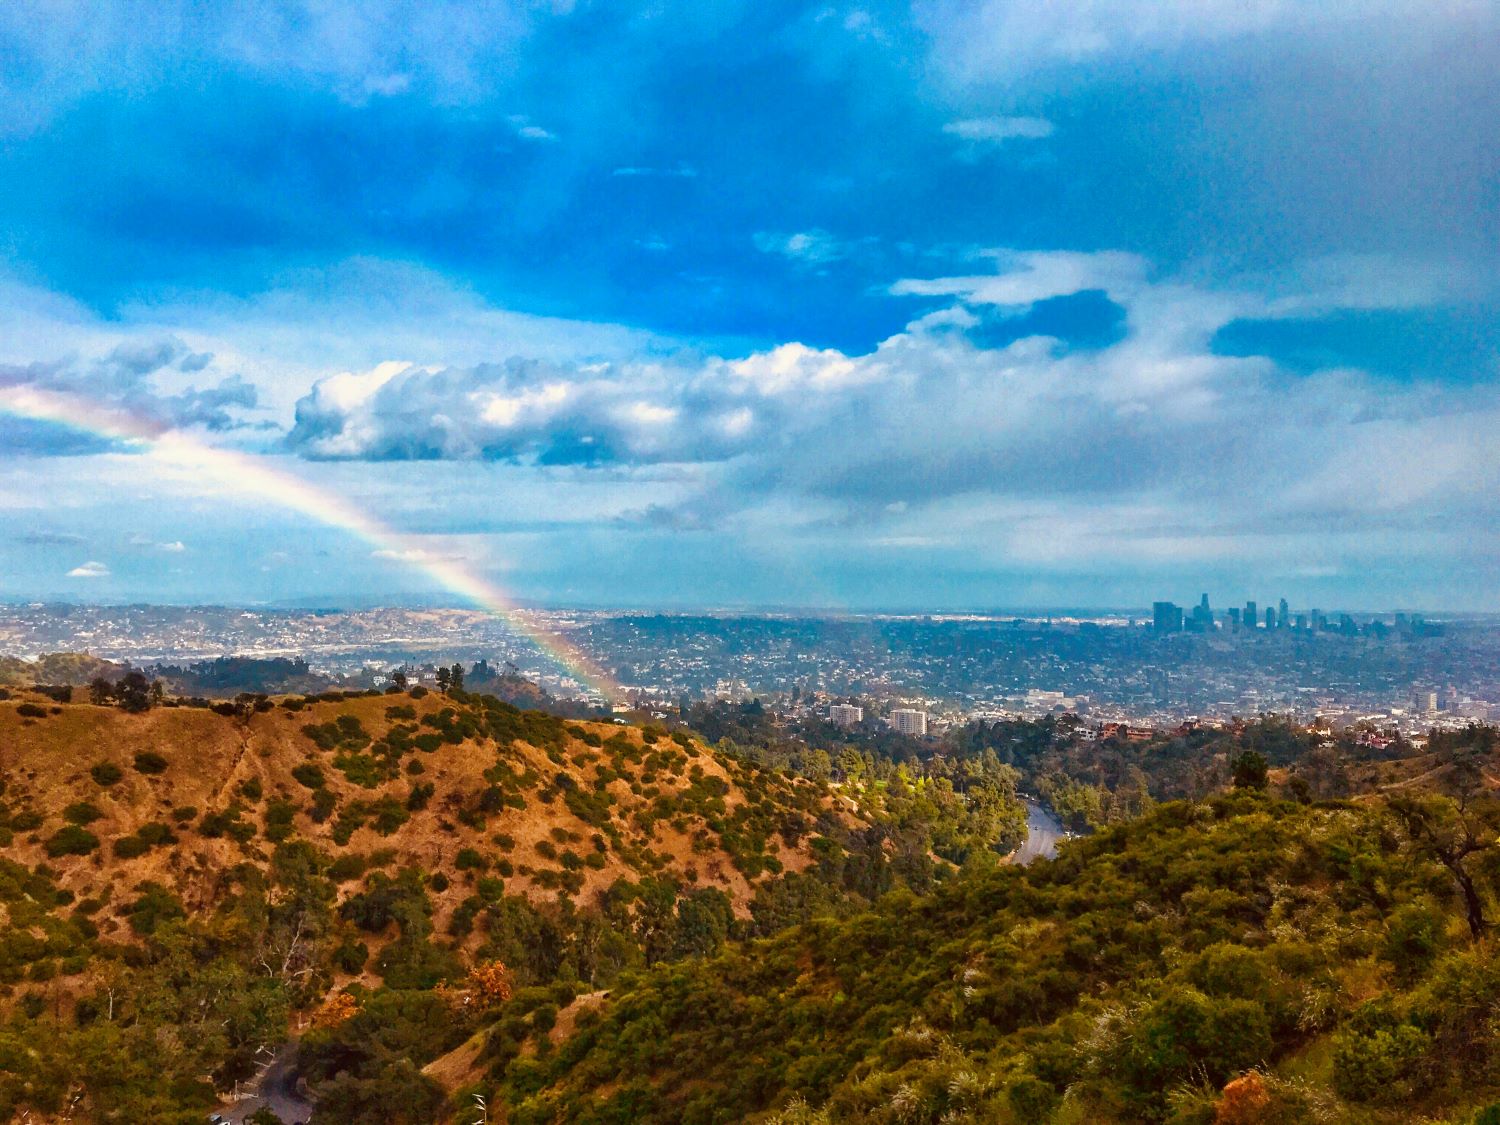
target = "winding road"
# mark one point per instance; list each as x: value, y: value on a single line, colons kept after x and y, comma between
x: 276, y: 1090
x: 1043, y: 831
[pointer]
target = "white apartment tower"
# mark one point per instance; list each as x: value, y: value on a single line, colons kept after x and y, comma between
x: 908, y: 721
x: 846, y: 714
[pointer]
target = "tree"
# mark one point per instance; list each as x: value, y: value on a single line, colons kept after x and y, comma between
x: 1323, y: 769
x: 1250, y: 771
x: 443, y: 679
x: 704, y: 919
x: 134, y: 691
x: 1450, y: 832
x: 456, y: 678
x: 336, y: 1009
x: 395, y: 1093
x: 398, y: 678
x: 101, y: 691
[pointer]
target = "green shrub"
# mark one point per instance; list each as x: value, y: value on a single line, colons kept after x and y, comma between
x: 129, y: 847
x: 279, y: 819
x: 71, y: 840
x: 155, y: 906
x: 149, y: 762
x: 26, y: 820
x: 81, y: 813
x: 350, y: 955
x: 469, y: 859
x: 347, y: 867
x: 156, y: 835
x: 1373, y: 1061
x: 106, y: 774
x: 324, y: 802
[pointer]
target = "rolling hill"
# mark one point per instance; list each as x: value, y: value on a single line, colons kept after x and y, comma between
x: 1245, y: 960
x: 380, y: 842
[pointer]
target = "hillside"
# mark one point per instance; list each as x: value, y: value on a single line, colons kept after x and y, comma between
x: 423, y: 779
x: 379, y: 841
x: 72, y: 668
x: 445, y: 898
x: 1242, y: 960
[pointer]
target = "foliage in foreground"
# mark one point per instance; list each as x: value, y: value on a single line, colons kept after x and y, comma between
x: 1241, y: 959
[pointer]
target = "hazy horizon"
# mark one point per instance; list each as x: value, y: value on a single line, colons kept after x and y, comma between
x: 312, y: 603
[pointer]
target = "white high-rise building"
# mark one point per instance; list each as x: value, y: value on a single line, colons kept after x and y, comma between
x: 846, y: 714
x: 909, y: 721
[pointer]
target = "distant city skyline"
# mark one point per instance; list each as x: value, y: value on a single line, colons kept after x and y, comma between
x: 1140, y: 612
x: 851, y: 669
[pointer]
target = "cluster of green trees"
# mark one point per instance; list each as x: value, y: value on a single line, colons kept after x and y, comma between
x: 134, y: 691
x: 1315, y: 958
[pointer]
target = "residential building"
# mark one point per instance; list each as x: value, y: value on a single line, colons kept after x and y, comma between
x: 905, y: 720
x: 846, y: 714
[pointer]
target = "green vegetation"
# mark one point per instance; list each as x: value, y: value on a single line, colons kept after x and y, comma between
x: 1317, y: 948
x: 804, y: 926
x: 106, y: 774
x: 151, y: 763
x: 71, y: 840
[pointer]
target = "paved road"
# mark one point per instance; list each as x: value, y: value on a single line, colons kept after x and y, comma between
x: 1043, y: 830
x: 276, y: 1089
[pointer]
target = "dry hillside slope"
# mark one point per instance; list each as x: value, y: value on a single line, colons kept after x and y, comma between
x: 466, y: 787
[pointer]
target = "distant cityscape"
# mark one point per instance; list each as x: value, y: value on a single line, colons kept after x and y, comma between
x: 917, y: 674
x: 1169, y: 617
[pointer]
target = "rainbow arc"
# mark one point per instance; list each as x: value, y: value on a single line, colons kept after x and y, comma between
x: 251, y: 474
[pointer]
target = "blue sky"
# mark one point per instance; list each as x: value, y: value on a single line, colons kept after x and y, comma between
x: 993, y: 303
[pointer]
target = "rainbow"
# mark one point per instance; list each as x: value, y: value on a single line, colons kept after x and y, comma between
x: 249, y: 473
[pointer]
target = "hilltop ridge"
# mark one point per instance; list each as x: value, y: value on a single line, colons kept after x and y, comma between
x: 567, y: 807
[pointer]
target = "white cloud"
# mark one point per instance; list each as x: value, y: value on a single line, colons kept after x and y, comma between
x: 528, y: 130
x: 387, y: 85
x: 89, y: 569
x: 809, y: 247
x: 980, y: 40
x: 136, y: 539
x: 1151, y: 449
x: 454, y: 52
x: 1024, y: 278
x: 681, y: 171
x: 350, y: 316
x: 1033, y: 452
x: 997, y: 130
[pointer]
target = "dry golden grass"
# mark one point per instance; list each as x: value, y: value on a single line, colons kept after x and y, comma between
x: 45, y: 764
